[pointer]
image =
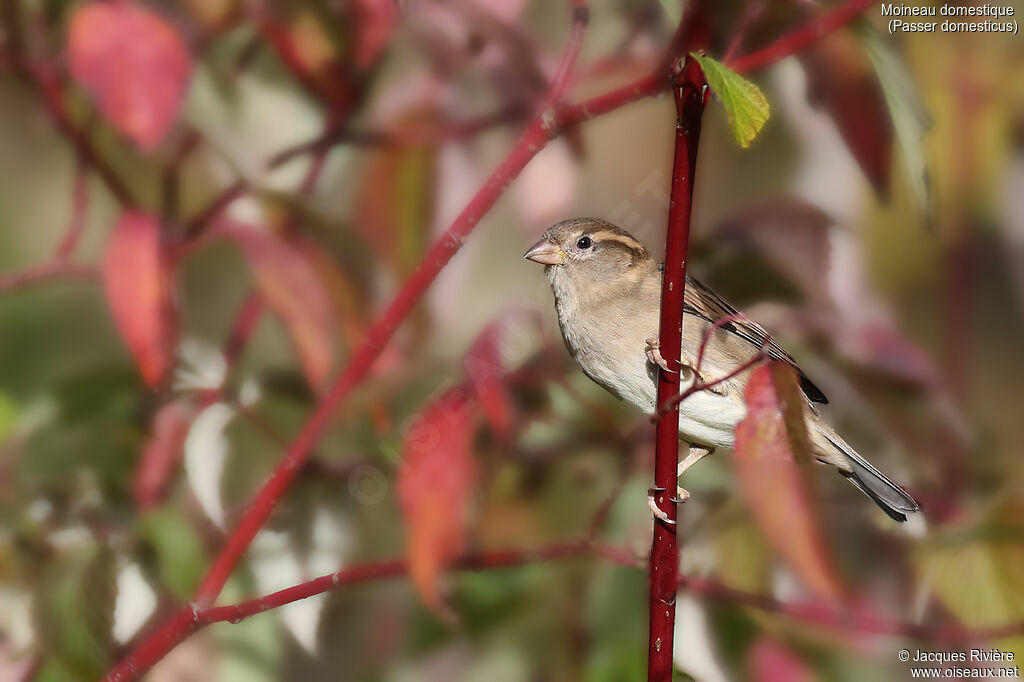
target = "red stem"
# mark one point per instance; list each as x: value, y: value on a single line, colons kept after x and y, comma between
x: 188, y: 620
x: 49, y: 87
x: 664, y: 560
x: 699, y: 385
x: 411, y: 137
x: 793, y: 42
x: 45, y: 272
x: 79, y: 204
x: 245, y: 322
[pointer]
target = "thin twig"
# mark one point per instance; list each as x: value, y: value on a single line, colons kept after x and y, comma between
x: 47, y: 272
x: 412, y: 137
x: 699, y: 385
x: 45, y: 80
x: 807, y: 33
x: 751, y: 13
x: 79, y: 205
x: 188, y: 620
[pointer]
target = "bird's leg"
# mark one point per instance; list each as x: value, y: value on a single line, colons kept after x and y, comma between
x: 697, y: 453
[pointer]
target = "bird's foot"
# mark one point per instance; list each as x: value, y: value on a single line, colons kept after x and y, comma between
x: 696, y: 454
x: 653, y: 351
x: 682, y: 495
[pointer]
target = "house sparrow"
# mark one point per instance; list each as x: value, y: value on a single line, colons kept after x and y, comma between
x: 607, y: 289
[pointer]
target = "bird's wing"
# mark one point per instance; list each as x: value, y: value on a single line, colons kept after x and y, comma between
x: 702, y: 302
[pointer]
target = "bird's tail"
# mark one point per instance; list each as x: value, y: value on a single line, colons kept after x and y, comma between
x: 869, y: 480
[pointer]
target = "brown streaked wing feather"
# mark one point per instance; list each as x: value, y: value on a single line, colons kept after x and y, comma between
x: 704, y: 303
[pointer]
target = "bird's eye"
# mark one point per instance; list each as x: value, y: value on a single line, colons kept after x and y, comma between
x: 584, y: 243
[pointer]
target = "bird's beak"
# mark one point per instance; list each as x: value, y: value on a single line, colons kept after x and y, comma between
x: 546, y: 253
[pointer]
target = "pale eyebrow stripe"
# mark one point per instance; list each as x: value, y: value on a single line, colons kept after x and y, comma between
x: 628, y: 242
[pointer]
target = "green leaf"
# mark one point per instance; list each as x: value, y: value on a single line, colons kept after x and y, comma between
x: 910, y: 119
x: 179, y: 551
x: 745, y: 105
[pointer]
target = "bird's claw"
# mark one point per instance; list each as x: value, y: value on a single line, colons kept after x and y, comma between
x: 682, y: 495
x: 653, y: 351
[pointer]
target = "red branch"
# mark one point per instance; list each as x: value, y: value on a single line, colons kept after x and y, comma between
x: 793, y: 42
x: 700, y: 385
x: 404, y: 137
x: 47, y: 272
x: 49, y: 87
x: 187, y: 620
x: 79, y: 204
x: 664, y: 560
x: 44, y: 77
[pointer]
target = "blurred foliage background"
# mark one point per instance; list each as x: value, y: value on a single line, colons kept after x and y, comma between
x: 876, y: 226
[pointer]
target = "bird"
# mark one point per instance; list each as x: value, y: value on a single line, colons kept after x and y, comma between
x: 607, y: 291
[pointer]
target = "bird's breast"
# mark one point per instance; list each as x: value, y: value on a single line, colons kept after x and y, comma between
x: 611, y: 350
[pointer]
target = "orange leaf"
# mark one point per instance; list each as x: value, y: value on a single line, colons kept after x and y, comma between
x: 771, y: 450
x: 134, y: 64
x: 136, y: 281
x: 290, y: 286
x: 434, y: 486
x: 161, y: 452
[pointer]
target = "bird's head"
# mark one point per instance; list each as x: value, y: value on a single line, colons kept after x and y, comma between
x: 589, y: 254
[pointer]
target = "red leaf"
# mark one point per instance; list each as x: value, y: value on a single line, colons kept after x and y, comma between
x: 134, y: 64
x: 434, y: 486
x: 290, y: 286
x: 485, y: 374
x: 841, y: 77
x: 769, y: 661
x: 771, y: 450
x: 136, y: 281
x: 161, y: 452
